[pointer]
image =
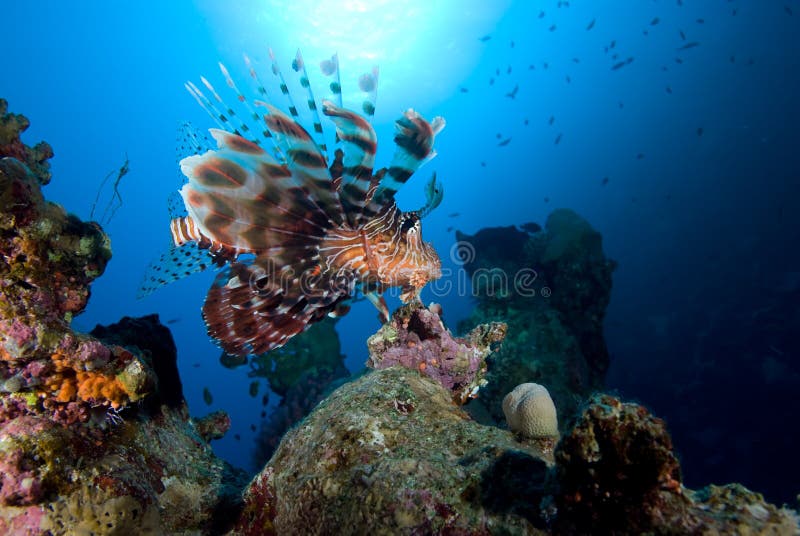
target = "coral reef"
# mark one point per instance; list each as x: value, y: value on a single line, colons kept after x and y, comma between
x: 35, y: 158
x: 551, y: 286
x: 94, y: 434
x: 416, y: 338
x: 391, y: 453
x: 617, y: 474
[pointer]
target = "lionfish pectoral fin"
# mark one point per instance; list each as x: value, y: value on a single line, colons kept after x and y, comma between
x: 176, y: 263
x: 380, y: 304
x: 257, y: 304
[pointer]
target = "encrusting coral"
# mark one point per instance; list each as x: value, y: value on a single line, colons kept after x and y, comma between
x: 416, y: 338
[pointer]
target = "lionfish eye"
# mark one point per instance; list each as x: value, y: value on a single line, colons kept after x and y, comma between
x: 409, y: 221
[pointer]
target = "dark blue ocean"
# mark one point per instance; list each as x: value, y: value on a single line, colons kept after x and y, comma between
x: 671, y: 126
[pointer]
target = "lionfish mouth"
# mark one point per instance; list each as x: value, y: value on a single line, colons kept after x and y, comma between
x: 269, y: 202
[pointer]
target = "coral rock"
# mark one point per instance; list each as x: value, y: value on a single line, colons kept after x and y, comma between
x: 390, y: 453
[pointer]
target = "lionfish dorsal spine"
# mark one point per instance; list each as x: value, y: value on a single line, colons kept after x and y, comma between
x: 359, y: 144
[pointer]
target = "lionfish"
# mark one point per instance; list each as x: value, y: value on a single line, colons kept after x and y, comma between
x: 295, y: 234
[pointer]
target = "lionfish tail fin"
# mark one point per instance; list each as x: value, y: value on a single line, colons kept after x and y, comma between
x: 179, y: 261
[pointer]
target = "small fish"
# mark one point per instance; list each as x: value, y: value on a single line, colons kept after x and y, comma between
x: 545, y: 65
x: 504, y: 142
x: 449, y: 230
x: 733, y: 59
x: 207, y: 398
x: 263, y: 414
x: 669, y: 90
x: 678, y: 60
x: 484, y: 38
x: 655, y: 21
x: 699, y: 131
x: 683, y: 35
x: 512, y: 44
x: 680, y: 3
x: 552, y: 28
x: 734, y: 12
x: 498, y: 135
x: 576, y: 60
x: 558, y: 139
x: 531, y: 67
x: 232, y: 360
x: 491, y: 81
x: 237, y: 437
x: 701, y: 21
x: 252, y: 427
x: 591, y: 25
x: 265, y: 399
x: 788, y: 10
x: 541, y: 14
x: 690, y: 44
x: 454, y: 215
x: 483, y: 164
x: 525, y: 122
x: 497, y: 71
x: 531, y: 227
x: 639, y: 156
x: 513, y: 93
x: 253, y: 389
x: 508, y: 70
x: 551, y: 120
x: 173, y: 320
x: 546, y: 199
x: 568, y: 79
x: 613, y: 44
x: 604, y: 181
x: 621, y: 105
x: 629, y: 60
x: 617, y: 66
x: 463, y: 90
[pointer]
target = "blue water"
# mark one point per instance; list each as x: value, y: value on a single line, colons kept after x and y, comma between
x: 705, y: 226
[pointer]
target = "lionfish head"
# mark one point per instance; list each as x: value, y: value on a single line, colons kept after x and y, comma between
x: 415, y: 262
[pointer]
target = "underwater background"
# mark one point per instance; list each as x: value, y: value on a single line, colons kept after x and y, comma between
x: 670, y: 126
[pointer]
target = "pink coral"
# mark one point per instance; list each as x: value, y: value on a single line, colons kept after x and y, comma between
x: 416, y: 338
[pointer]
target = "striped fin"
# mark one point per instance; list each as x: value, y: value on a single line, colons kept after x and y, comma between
x: 242, y: 198
x: 248, y: 124
x: 368, y: 83
x: 258, y: 305
x: 307, y: 165
x: 360, y: 143
x: 414, y: 140
x: 330, y: 70
x: 174, y: 264
x: 299, y: 66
